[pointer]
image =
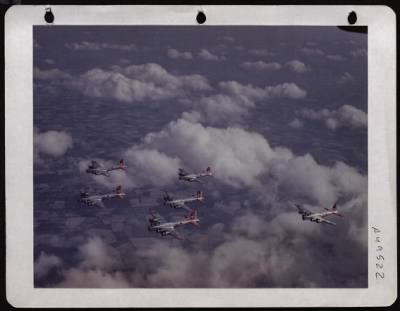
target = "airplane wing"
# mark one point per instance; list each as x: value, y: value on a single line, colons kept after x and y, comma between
x: 84, y: 195
x: 113, y: 168
x: 323, y: 220
x: 175, y: 234
x: 95, y: 164
x: 155, y: 217
x: 101, y: 204
x: 168, y: 196
x: 326, y: 214
x: 171, y: 231
x: 186, y: 208
x: 97, y: 203
x: 178, y: 204
x: 197, y: 180
x: 303, y: 210
x: 182, y: 172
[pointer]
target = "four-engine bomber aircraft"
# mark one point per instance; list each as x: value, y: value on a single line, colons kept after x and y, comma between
x: 97, y: 200
x: 318, y: 217
x: 181, y: 203
x: 96, y: 169
x: 183, y: 175
x: 158, y: 224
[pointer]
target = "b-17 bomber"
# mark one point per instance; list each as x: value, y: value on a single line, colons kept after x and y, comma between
x: 96, y: 169
x: 159, y: 225
x: 181, y: 203
x: 97, y: 200
x: 194, y: 177
x: 318, y: 217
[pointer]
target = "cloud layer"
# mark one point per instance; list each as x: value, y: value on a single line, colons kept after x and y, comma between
x: 262, y: 245
x: 234, y: 101
x: 251, y: 251
x: 241, y: 158
x: 250, y: 235
x: 346, y: 115
x: 137, y: 83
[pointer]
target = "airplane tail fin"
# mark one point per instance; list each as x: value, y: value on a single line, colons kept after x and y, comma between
x: 193, y: 218
x: 208, y: 171
x: 152, y: 218
x: 334, y: 209
x: 167, y: 197
x: 151, y: 211
x: 122, y: 164
x: 181, y: 172
x: 198, y: 195
x: 118, y: 191
x: 93, y: 164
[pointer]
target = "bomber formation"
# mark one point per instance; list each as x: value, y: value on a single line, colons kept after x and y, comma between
x: 156, y: 223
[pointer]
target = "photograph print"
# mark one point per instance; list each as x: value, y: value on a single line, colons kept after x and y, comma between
x: 200, y: 157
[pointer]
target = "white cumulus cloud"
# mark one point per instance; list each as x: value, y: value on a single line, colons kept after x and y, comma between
x: 296, y: 123
x: 137, y: 83
x: 175, y: 54
x: 296, y: 66
x: 207, y: 55
x: 51, y: 143
x: 241, y: 158
x: 345, y: 78
x: 45, y: 263
x: 234, y: 100
x: 289, y: 90
x: 261, y: 66
x: 346, y: 115
x: 151, y: 166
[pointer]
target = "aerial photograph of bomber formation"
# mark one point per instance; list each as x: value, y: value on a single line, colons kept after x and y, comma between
x: 200, y: 157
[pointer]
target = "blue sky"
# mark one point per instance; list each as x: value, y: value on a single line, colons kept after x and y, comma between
x: 279, y: 113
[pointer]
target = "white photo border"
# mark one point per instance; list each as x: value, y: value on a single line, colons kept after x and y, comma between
x: 381, y: 22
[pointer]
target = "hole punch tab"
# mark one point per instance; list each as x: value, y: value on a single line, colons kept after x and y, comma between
x: 201, y: 17
x: 48, y: 15
x: 352, y: 18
